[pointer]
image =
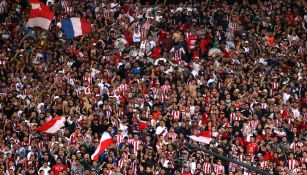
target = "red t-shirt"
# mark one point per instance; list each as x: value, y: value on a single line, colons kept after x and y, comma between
x: 251, y: 146
x: 204, y: 43
x: 58, y: 168
x: 128, y: 37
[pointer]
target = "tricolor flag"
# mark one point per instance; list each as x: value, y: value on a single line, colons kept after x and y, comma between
x: 203, y: 137
x: 142, y: 124
x: 53, y: 125
x: 40, y: 15
x: 105, y: 141
x: 74, y: 27
x: 28, y: 31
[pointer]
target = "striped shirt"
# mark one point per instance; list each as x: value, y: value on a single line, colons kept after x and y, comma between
x: 178, y: 53
x: 3, y: 6
x: 234, y: 117
x: 136, y: 144
x: 233, y: 26
x: 218, y: 169
x: 107, y: 14
x: 166, y: 88
x: 87, y: 79
x: 207, y: 168
x: 263, y: 165
x: 291, y: 164
x: 145, y: 29
x: 173, y: 136
x: 67, y: 8
x: 176, y: 114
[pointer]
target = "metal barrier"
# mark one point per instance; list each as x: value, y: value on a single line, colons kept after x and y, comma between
x: 212, y: 153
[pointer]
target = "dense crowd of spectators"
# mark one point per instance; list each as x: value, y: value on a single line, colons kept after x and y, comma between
x: 234, y: 68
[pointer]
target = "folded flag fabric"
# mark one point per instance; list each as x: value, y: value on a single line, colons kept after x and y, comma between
x: 203, y: 137
x: 53, y: 125
x: 105, y: 141
x: 36, y: 4
x: 28, y: 31
x: 73, y: 27
x: 40, y: 16
x: 142, y: 124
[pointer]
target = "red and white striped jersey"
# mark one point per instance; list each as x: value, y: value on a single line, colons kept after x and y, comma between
x: 297, y: 170
x: 107, y: 14
x: 161, y: 97
x: 3, y: 6
x: 234, y: 117
x: 207, y: 168
x: 119, y: 139
x: 291, y: 164
x: 303, y: 159
x: 145, y: 29
x: 175, y: 114
x: 119, y: 113
x: 241, y: 157
x: 264, y: 106
x: 122, y: 88
x: 233, y: 26
x: 253, y: 123
x: 218, y: 35
x: 108, y: 114
x: 3, y: 62
x: 159, y: 145
x: 133, y: 166
x: 67, y: 8
x: 218, y: 169
x: 178, y: 54
x: 275, y: 85
x: 79, y: 90
x: 109, y: 172
x: 293, y: 146
x: 166, y: 89
x: 121, y: 162
x: 187, y: 34
x: 71, y: 81
x: 301, y: 50
x: 234, y: 149
x: 247, y: 173
x: 136, y: 144
x: 155, y: 90
x: 87, y: 79
x: 232, y: 167
x: 137, y: 11
x: 130, y: 140
x: 42, y: 144
x: 173, y: 136
x: 263, y: 164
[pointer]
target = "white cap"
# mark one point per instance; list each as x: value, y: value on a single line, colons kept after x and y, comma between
x: 56, y: 97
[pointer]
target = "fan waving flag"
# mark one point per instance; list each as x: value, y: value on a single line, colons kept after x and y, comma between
x: 105, y: 141
x: 203, y: 137
x: 40, y: 17
x: 53, y: 125
x: 74, y: 27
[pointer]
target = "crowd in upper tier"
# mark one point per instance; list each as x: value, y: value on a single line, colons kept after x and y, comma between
x: 234, y: 68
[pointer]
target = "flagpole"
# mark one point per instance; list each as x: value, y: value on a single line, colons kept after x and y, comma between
x: 217, y: 155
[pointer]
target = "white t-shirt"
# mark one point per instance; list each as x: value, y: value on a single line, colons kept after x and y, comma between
x: 45, y: 170
x: 136, y: 37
